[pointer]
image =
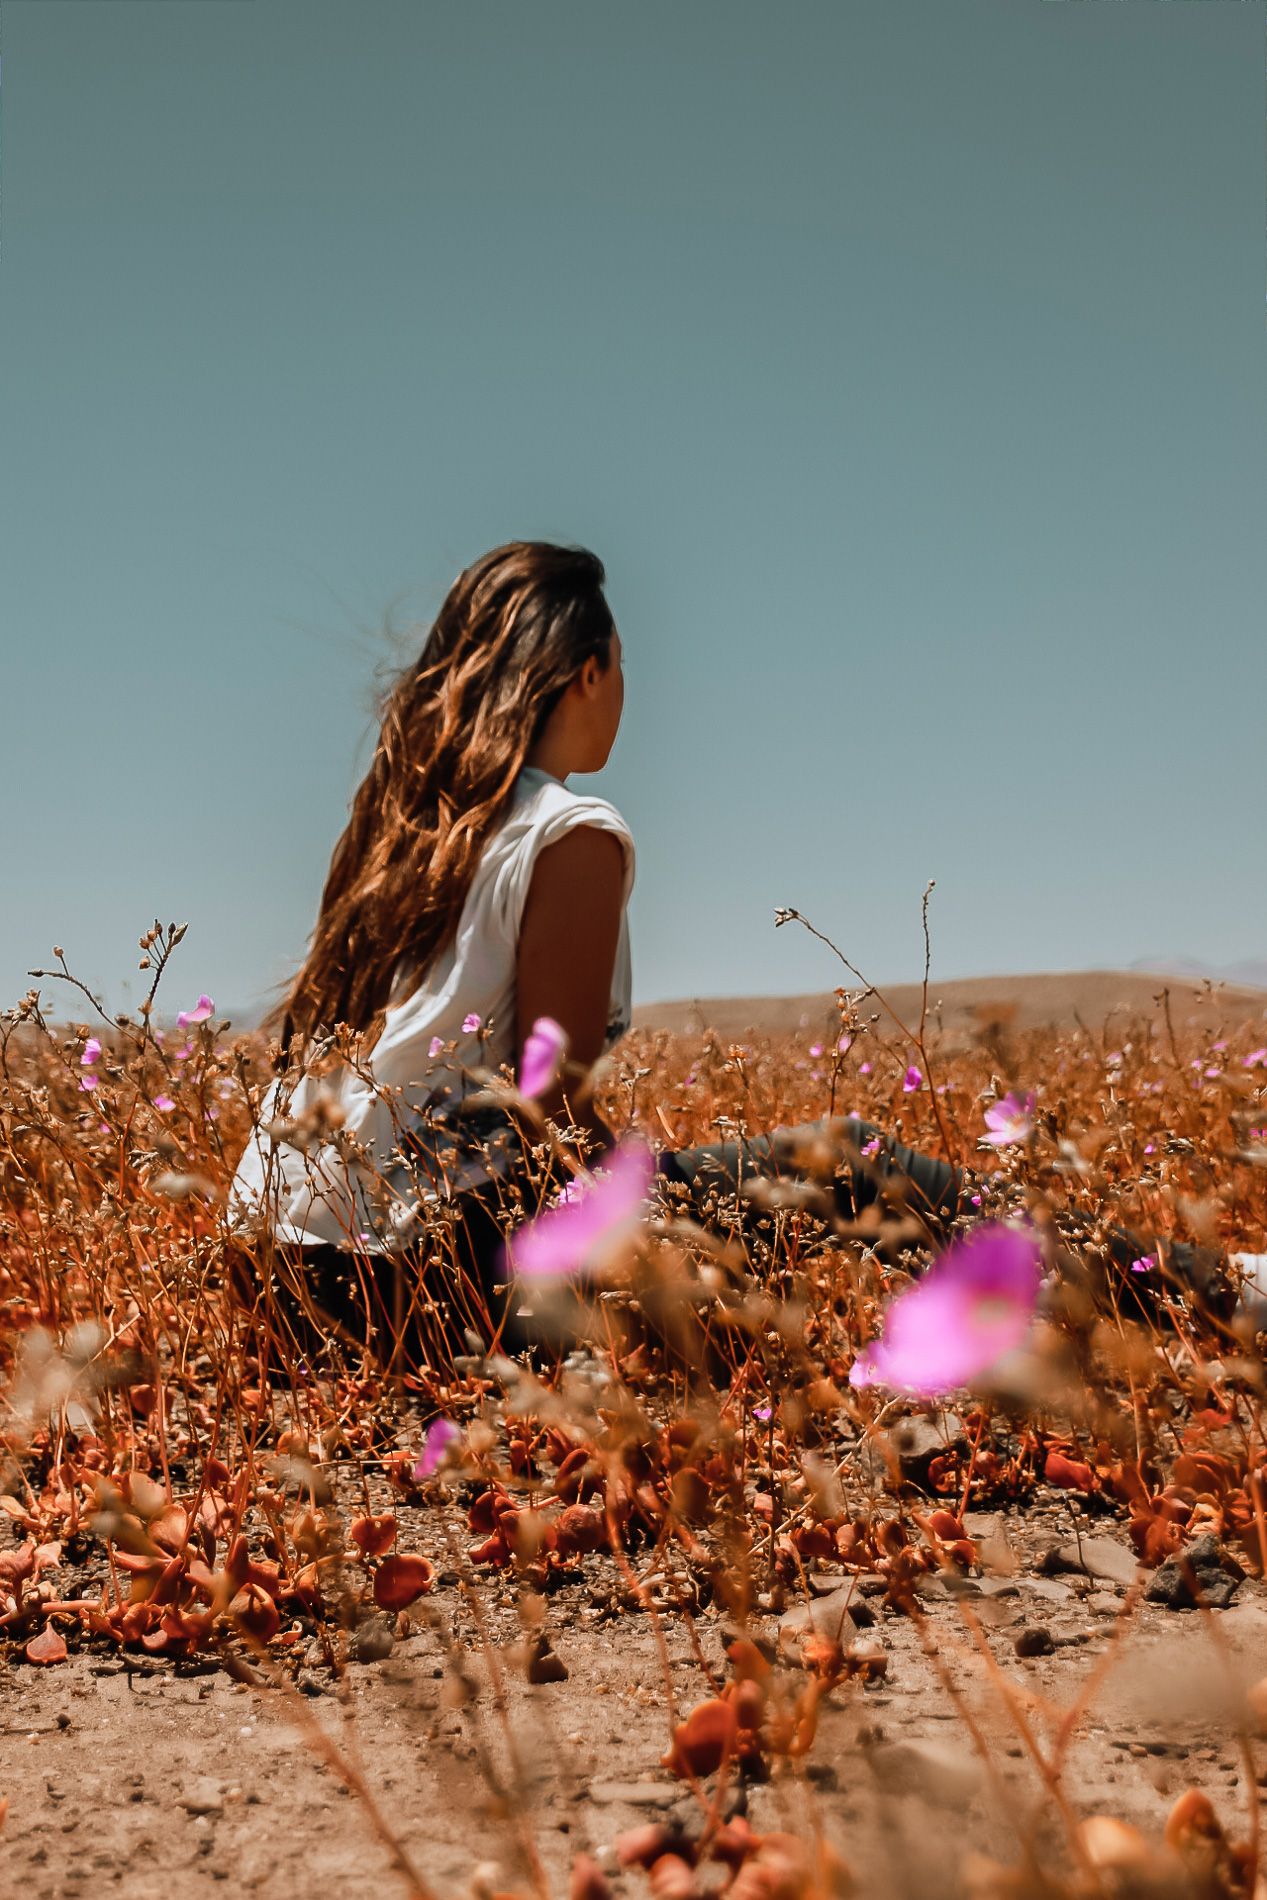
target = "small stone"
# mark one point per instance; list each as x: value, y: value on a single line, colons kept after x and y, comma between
x: 544, y: 1665
x: 634, y: 1794
x: 1033, y: 1641
x: 1204, y: 1568
x: 201, y: 1797
x: 934, y: 1770
x: 1100, y: 1604
x: 372, y: 1641
x: 1101, y: 1557
x: 832, y: 1617
x: 917, y: 1441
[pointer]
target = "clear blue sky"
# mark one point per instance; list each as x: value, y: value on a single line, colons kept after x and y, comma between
x: 903, y: 360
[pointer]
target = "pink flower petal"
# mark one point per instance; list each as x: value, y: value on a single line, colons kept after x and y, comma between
x: 975, y: 1303
x: 911, y: 1080
x: 591, y: 1223
x: 92, y: 1052
x: 544, y: 1049
x: 87, y: 1081
x: 435, y: 1046
x: 164, y: 1102
x: 471, y: 1023
x: 440, y: 1434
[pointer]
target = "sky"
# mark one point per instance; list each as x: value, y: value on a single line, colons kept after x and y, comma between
x: 903, y: 362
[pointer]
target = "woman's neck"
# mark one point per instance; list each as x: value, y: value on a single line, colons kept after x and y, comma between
x: 540, y: 765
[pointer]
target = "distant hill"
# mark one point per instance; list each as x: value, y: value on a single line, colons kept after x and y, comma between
x: 1060, y: 1000
x: 1249, y: 973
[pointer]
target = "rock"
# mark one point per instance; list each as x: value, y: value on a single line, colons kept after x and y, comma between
x: 1101, y: 1604
x: 832, y: 1617
x: 998, y: 1587
x: 201, y: 1797
x: 732, y: 1632
x: 1033, y: 1641
x: 935, y: 1770
x: 917, y: 1441
x: 372, y: 1641
x: 634, y: 1794
x: 1101, y: 1557
x: 544, y: 1665
x: 1204, y: 1564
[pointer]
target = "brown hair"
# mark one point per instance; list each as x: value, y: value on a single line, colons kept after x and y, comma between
x: 457, y: 725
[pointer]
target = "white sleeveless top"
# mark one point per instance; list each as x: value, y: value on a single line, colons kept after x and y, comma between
x: 313, y: 1197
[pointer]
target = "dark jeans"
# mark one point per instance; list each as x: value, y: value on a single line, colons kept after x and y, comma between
x: 424, y: 1305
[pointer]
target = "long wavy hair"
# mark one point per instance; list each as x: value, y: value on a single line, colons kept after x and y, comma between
x: 457, y: 725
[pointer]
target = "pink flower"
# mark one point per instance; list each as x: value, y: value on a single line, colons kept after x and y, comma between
x: 845, y: 1044
x: 186, y: 1049
x: 975, y: 1303
x: 87, y: 1081
x: 975, y: 1199
x: 764, y: 1412
x: 1009, y: 1121
x: 544, y: 1049
x: 440, y: 1434
x: 435, y: 1046
x: 471, y: 1023
x: 1144, y: 1264
x: 592, y: 1221
x: 1256, y: 1059
x: 864, y: 1068
x: 199, y: 1014
x: 871, y: 1147
x: 816, y: 1048
x: 911, y: 1080
x: 164, y: 1102
x: 1149, y: 1147
x: 92, y: 1052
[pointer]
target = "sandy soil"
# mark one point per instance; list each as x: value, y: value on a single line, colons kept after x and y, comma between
x: 1060, y: 999
x: 124, y: 1775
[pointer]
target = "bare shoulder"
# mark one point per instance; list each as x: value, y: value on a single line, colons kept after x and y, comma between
x: 587, y: 855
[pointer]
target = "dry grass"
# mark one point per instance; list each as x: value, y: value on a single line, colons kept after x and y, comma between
x: 177, y: 1484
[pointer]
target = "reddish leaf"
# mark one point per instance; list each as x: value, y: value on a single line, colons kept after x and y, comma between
x: 398, y: 1580
x: 46, y: 1648
x: 374, y: 1536
x: 1068, y: 1473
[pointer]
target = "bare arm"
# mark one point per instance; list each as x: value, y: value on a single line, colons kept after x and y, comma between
x: 566, y: 955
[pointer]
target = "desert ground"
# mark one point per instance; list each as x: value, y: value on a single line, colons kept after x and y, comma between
x: 682, y: 1611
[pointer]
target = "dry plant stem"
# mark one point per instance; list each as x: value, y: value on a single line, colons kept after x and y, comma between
x: 1117, y: 1636
x: 1001, y: 1789
x: 1219, y: 1641
x: 334, y: 1755
x: 1048, y: 1770
x: 949, y: 1147
x: 527, y: 1838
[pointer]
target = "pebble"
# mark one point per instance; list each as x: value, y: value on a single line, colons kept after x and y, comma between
x: 201, y: 1797
x: 634, y: 1794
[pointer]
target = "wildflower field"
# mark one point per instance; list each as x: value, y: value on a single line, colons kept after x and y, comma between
x: 818, y: 1559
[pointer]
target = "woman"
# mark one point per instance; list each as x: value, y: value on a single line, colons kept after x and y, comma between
x: 472, y: 893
